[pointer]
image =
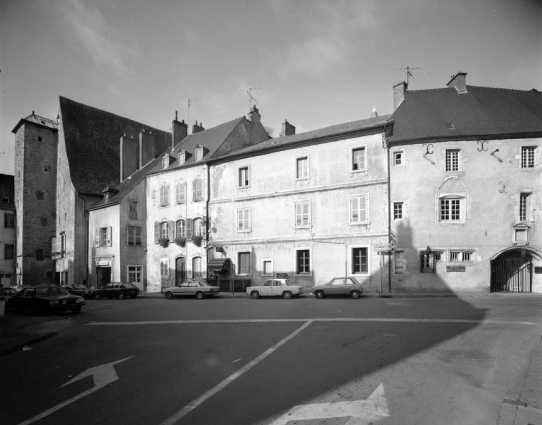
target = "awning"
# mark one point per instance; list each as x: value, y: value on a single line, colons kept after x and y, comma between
x: 219, y: 264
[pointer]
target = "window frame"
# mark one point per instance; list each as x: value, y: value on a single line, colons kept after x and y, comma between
x: 7, y: 221
x: 300, y: 215
x: 139, y: 273
x: 197, y: 272
x: 132, y: 236
x: 449, y: 211
x: 244, y: 220
x: 164, y: 196
x: 528, y: 157
x: 306, y: 169
x: 353, y: 150
x: 297, y: 271
x: 450, y: 164
x: 243, y: 175
x: 351, y: 222
x: 240, y: 270
x: 401, y: 155
x: 270, y: 261
x: 401, y: 212
x: 367, y: 259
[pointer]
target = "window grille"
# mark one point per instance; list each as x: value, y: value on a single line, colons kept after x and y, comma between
x: 452, y: 160
x: 527, y: 156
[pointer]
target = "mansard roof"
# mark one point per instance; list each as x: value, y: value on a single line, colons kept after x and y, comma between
x: 479, y: 113
x: 92, y: 139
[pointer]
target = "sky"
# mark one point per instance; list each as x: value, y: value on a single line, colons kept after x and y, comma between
x: 315, y: 63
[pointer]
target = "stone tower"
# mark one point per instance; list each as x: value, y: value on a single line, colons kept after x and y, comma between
x: 36, y: 143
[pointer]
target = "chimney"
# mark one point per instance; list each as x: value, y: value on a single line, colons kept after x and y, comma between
x: 399, y: 92
x: 287, y: 129
x: 197, y: 128
x: 374, y: 114
x: 129, y: 156
x: 254, y: 115
x: 459, y: 82
x: 146, y: 147
x: 179, y: 130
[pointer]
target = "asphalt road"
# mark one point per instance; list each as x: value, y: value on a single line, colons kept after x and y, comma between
x: 273, y: 361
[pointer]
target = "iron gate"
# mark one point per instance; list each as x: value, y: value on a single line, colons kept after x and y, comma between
x: 511, y: 275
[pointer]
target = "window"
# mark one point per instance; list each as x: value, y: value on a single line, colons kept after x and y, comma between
x: 181, y: 157
x: 134, y: 274
x: 165, y: 161
x: 243, y: 220
x: 527, y: 156
x: 181, y: 193
x: 164, y: 267
x: 267, y: 267
x: 452, y: 159
x: 133, y: 235
x: 133, y: 210
x: 398, y: 158
x: 198, y: 227
x: 39, y: 254
x: 180, y: 229
x: 8, y: 252
x: 199, y: 153
x: 302, y: 261
x: 399, y: 263
x: 427, y: 262
x: 358, y: 159
x: 164, y: 230
x: 40, y: 195
x: 359, y: 260
x: 164, y: 195
x: 9, y: 221
x: 197, y: 189
x: 243, y: 263
x: 40, y: 139
x: 461, y: 256
x: 359, y: 209
x: 197, y: 272
x: 47, y: 167
x: 303, y: 214
x: 450, y: 209
x: 243, y: 177
x: 524, y: 206
x: 397, y: 210
x: 302, y: 168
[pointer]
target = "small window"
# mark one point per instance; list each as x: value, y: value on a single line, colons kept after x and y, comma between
x: 9, y: 221
x: 164, y: 195
x: 133, y: 210
x: 40, y: 195
x: 303, y: 214
x: 243, y: 263
x: 398, y: 158
x: 243, y: 177
x: 199, y: 153
x: 40, y: 139
x: 360, y: 260
x: 303, y: 261
x: 527, y: 156
x: 133, y: 235
x: 181, y: 157
x: 452, y: 159
x: 302, y: 168
x: 358, y: 159
x: 359, y: 211
x: 243, y: 220
x: 397, y: 210
x: 461, y: 256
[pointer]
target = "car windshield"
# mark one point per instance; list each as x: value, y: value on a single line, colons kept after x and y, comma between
x: 48, y: 291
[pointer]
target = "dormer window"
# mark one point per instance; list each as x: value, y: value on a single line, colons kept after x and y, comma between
x: 165, y: 161
x: 181, y: 157
x: 199, y: 153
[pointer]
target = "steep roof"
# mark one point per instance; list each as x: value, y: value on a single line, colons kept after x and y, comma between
x: 478, y: 113
x: 353, y: 127
x: 92, y: 138
x: 36, y: 119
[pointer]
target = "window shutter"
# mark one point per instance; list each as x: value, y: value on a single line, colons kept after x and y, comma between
x: 188, y: 228
x: 97, y: 238
x: 156, y: 231
x: 363, y: 209
x: 108, y: 238
x: 171, y: 231
x: 249, y: 219
x: 128, y: 235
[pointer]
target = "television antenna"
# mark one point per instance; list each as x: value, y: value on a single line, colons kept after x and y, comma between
x: 408, y: 73
x: 188, y: 118
x: 250, y: 97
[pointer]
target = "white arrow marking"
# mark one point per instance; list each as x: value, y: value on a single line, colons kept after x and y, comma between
x: 360, y: 411
x: 102, y: 375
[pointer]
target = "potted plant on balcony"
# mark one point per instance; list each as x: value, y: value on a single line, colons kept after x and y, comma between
x: 181, y: 241
x: 164, y: 242
x: 196, y: 240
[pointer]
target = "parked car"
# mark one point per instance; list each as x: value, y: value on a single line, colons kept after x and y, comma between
x: 78, y: 289
x: 275, y: 288
x: 115, y: 290
x: 6, y: 294
x: 338, y: 286
x: 45, y: 299
x: 194, y: 288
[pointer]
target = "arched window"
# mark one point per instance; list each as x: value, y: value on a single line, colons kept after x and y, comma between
x: 452, y: 202
x: 197, y: 223
x: 164, y: 230
x: 180, y: 229
x: 197, y: 272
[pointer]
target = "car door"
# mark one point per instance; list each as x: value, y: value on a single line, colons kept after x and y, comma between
x: 267, y: 288
x: 277, y: 288
x: 184, y: 289
x: 337, y: 287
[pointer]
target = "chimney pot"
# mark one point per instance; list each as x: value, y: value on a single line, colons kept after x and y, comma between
x: 287, y: 129
x: 374, y: 114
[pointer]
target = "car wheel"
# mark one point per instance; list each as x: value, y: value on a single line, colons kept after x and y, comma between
x: 97, y: 296
x: 77, y: 309
x: 254, y: 295
x: 319, y: 294
x: 169, y: 295
x: 354, y: 294
x: 287, y: 295
x: 121, y: 296
x: 199, y: 295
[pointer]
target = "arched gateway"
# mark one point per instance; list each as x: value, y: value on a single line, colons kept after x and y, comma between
x: 512, y: 269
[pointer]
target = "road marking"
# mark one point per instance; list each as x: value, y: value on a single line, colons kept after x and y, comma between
x: 195, y: 403
x: 102, y: 375
x: 374, y: 408
x: 339, y: 319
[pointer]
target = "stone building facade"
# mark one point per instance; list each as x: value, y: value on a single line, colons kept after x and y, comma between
x: 8, y: 224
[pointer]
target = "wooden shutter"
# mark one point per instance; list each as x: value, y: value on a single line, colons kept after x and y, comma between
x: 156, y: 231
x: 188, y: 228
x: 171, y: 230
x: 97, y: 238
x: 108, y: 237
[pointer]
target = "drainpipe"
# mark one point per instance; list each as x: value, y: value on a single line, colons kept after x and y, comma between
x: 386, y: 143
x: 85, y: 215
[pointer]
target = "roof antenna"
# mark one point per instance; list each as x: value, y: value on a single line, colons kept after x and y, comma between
x: 250, y: 97
x: 188, y: 119
x: 408, y: 73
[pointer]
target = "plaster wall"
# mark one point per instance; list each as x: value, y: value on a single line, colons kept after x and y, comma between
x: 104, y: 256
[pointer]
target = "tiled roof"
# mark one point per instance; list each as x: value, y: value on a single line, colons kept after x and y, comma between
x: 481, y: 112
x: 36, y: 119
x: 333, y: 131
x: 93, y: 144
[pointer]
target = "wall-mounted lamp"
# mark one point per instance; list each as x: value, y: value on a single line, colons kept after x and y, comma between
x: 494, y: 152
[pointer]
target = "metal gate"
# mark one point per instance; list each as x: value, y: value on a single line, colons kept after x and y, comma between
x: 511, y: 275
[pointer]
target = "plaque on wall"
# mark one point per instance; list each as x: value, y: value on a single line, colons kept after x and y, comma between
x: 455, y: 268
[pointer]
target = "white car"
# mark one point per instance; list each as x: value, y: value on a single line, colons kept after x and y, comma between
x: 275, y: 288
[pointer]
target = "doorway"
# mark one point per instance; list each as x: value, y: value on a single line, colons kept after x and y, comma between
x: 180, y: 270
x: 103, y: 275
x: 512, y: 272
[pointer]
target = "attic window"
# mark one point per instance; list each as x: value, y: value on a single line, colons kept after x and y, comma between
x: 182, y: 157
x: 165, y: 161
x: 449, y: 126
x: 199, y: 153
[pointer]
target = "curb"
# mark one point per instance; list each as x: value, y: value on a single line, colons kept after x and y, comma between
x: 20, y: 346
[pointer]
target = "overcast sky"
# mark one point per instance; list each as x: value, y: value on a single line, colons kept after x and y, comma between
x: 315, y: 63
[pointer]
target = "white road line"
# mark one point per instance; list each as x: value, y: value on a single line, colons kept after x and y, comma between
x: 339, y: 319
x: 195, y: 403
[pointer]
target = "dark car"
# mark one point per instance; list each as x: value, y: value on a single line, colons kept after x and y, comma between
x: 45, y: 299
x: 339, y: 286
x: 6, y: 294
x: 78, y: 289
x: 115, y: 290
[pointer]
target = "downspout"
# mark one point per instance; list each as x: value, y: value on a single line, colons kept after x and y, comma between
x: 85, y: 215
x: 385, y: 141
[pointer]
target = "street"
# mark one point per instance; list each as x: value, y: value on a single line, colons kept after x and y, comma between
x: 234, y: 360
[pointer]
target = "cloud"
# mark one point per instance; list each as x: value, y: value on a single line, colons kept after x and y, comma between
x: 90, y: 30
